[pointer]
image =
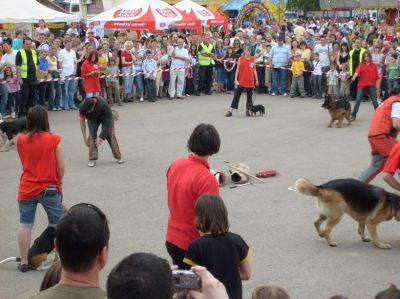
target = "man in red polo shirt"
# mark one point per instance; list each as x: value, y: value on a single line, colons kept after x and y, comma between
x: 188, y: 179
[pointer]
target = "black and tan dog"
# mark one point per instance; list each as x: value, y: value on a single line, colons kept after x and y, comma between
x: 367, y: 204
x: 338, y: 110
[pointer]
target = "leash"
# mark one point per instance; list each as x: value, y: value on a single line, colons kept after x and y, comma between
x: 254, y: 98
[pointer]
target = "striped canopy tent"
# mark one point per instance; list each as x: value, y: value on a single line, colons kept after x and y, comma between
x: 359, y: 4
x: 192, y: 10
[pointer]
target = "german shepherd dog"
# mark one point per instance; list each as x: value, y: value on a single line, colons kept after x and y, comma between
x: 338, y: 110
x: 367, y: 204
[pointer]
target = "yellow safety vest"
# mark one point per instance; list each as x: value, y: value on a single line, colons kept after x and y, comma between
x: 351, y: 71
x: 205, y: 60
x: 24, y: 65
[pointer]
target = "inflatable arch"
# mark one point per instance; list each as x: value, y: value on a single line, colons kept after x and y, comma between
x: 254, y: 5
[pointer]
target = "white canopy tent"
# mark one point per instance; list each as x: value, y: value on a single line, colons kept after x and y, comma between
x: 30, y: 11
x: 358, y: 4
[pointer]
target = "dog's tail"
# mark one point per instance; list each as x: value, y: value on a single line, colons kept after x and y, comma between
x: 305, y: 187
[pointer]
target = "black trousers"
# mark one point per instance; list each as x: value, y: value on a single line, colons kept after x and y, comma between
x: 28, y: 97
x: 205, y: 78
x: 261, y: 79
x: 238, y: 93
x: 353, y: 89
x: 177, y: 254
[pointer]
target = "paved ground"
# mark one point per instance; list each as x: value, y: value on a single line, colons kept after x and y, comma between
x: 275, y: 222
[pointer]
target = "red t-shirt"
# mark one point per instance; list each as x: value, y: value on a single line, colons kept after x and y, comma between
x: 187, y: 179
x: 92, y: 83
x: 246, y: 72
x: 128, y: 58
x: 39, y: 163
x: 368, y: 75
x: 393, y: 162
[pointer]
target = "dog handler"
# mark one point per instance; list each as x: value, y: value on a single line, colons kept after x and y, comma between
x: 97, y: 112
x: 385, y: 126
x: 245, y: 78
x: 43, y: 169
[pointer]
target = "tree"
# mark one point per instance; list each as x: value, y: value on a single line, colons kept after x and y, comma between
x: 305, y: 5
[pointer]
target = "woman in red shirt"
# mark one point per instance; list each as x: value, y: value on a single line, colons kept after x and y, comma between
x: 245, y: 78
x: 367, y: 72
x: 90, y: 70
x: 42, y: 173
x: 188, y: 179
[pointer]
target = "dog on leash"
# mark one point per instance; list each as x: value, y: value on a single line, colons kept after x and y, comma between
x: 367, y: 204
x: 257, y: 108
x: 338, y: 110
x: 10, y: 129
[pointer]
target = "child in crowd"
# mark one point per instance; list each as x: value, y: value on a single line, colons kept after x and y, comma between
x: 344, y: 77
x: 43, y: 75
x: 189, y: 84
x: 332, y: 80
x: 218, y: 244
x: 149, y: 66
x: 393, y: 73
x: 317, y: 76
x: 13, y: 89
x: 269, y: 292
x: 103, y: 62
x: 297, y: 69
x: 164, y: 82
x: 113, y: 82
x: 268, y: 69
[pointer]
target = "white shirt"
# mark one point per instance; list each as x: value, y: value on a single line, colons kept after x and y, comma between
x: 68, y: 59
x: 323, y: 52
x: 183, y: 53
x: 317, y: 68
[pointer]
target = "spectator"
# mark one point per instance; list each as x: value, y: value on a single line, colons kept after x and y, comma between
x: 206, y: 58
x: 13, y: 90
x: 112, y: 72
x: 180, y: 58
x: 297, y: 79
x: 83, y: 229
x: 26, y: 62
x: 139, y: 54
x: 43, y: 76
x: 218, y: 244
x: 90, y: 70
x: 52, y: 276
x: 150, y: 72
x: 42, y: 29
x: 279, y: 58
x: 54, y: 86
x: 67, y: 63
x: 269, y: 292
x: 332, y: 80
x: 187, y: 179
x: 41, y: 180
x: 317, y: 76
x: 355, y: 58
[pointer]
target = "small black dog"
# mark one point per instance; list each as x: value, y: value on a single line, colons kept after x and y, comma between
x: 10, y: 129
x: 257, y: 108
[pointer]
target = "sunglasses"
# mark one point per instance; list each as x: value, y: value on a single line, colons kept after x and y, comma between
x: 100, y: 214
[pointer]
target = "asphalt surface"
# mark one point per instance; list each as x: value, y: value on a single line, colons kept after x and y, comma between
x: 292, y: 138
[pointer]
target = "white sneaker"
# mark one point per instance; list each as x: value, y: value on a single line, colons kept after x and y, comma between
x: 120, y: 161
x: 285, y: 94
x: 59, y: 109
x: 273, y: 94
x: 141, y: 99
x: 92, y: 163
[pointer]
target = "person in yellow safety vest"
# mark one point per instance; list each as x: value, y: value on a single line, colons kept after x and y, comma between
x: 355, y: 58
x: 206, y: 58
x: 26, y: 62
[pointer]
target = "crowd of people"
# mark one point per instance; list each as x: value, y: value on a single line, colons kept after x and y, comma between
x: 311, y: 58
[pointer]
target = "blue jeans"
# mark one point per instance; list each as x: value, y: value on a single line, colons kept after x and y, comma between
x: 92, y: 94
x: 279, y: 75
x: 50, y: 200
x: 68, y: 90
x: 230, y: 78
x: 360, y: 94
x: 317, y: 83
x: 3, y: 99
x: 55, y: 94
x: 127, y: 81
x: 139, y: 83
